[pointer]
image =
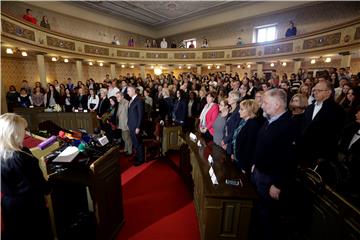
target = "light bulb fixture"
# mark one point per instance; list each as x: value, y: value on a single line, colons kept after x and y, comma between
x: 101, y: 64
x: 272, y: 64
x: 122, y: 65
x: 152, y: 67
x: 66, y: 60
x: 157, y: 71
x: 248, y: 66
x: 90, y: 63
x: 132, y: 66
x: 209, y: 67
x: 180, y: 67
x: 238, y: 66
x: 217, y: 67
x: 54, y: 59
x: 9, y: 51
x: 327, y: 60
x: 284, y: 64
x: 161, y: 67
x: 24, y: 54
x: 313, y: 61
x: 188, y: 67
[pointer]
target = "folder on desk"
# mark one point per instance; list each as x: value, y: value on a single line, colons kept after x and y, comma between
x: 67, y: 155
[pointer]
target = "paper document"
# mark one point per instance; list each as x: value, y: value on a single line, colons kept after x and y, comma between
x: 67, y: 155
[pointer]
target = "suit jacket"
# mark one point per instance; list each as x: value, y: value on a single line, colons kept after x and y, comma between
x: 104, y: 106
x: 83, y: 102
x: 210, y: 118
x: 122, y: 114
x: 320, y: 135
x: 166, y: 107
x: 136, y: 113
x: 180, y: 110
x: 231, y: 124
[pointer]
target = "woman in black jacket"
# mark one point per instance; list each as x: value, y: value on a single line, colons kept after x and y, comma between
x: 23, y: 186
x: 180, y: 108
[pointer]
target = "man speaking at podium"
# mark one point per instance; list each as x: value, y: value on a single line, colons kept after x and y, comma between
x: 135, y: 118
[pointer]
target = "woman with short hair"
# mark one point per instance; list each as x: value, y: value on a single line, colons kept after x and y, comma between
x: 208, y: 116
x: 23, y: 186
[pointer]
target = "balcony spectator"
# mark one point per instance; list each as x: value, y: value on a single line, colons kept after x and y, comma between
x: 148, y: 43
x: 45, y: 23
x: 239, y: 42
x: 205, y: 43
x: 173, y: 44
x: 131, y: 42
x: 192, y: 44
x: 29, y: 17
x: 154, y: 44
x: 291, y: 31
x: 115, y: 41
x: 163, y: 43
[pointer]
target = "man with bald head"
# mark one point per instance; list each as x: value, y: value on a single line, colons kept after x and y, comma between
x: 322, y: 126
x: 273, y: 172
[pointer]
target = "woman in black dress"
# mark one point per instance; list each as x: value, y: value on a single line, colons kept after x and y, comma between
x: 23, y: 186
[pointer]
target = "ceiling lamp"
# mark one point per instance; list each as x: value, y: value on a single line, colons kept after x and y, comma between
x: 180, y: 67
x: 272, y: 64
x: 24, y: 54
x: 249, y: 66
x: 313, y: 61
x: 217, y: 67
x: 157, y: 71
x: 9, y: 51
x: 327, y: 60
x: 152, y: 67
x: 66, y: 60
x: 238, y: 66
x: 90, y: 63
x: 54, y: 59
x: 284, y: 64
x: 122, y: 65
x: 188, y: 67
x: 101, y: 64
x: 209, y: 67
x: 132, y: 66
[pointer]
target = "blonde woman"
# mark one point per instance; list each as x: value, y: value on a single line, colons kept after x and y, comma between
x: 23, y: 185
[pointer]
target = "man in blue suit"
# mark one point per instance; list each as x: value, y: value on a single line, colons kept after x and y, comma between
x: 135, y: 120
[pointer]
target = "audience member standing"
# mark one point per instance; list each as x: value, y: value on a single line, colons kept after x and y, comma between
x: 163, y: 43
x: 93, y: 100
x: 273, y: 172
x: 219, y: 124
x: 12, y: 98
x: 122, y: 115
x: 104, y: 105
x: 131, y: 42
x: 208, y: 117
x: 45, y: 23
x: 173, y: 44
x: 23, y: 186
x: 29, y: 17
x: 291, y: 31
x: 180, y: 108
x: 135, y: 121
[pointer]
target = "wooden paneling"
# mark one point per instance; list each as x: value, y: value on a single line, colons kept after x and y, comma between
x: 322, y: 41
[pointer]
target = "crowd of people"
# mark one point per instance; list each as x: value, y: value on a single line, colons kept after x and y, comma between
x: 267, y: 127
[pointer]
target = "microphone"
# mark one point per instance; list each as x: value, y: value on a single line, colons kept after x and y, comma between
x: 46, y: 143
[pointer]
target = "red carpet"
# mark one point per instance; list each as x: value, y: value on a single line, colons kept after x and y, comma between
x: 157, y: 204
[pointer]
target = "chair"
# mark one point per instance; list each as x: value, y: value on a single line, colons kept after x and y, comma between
x: 152, y: 145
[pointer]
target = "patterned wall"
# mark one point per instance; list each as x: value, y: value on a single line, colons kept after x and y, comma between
x: 306, y: 20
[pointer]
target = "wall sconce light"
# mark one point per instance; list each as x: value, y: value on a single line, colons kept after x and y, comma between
x: 249, y: 66
x: 157, y: 71
x: 152, y: 67
x: 189, y: 67
x: 66, y: 60
x: 327, y: 60
x: 132, y: 66
x: 24, y: 54
x: 180, y: 67
x: 217, y: 67
x: 90, y: 63
x: 313, y: 61
x: 101, y: 64
x: 272, y: 64
x: 238, y: 66
x: 122, y: 65
x: 209, y: 67
x: 284, y: 64
x: 54, y: 59
x: 9, y: 51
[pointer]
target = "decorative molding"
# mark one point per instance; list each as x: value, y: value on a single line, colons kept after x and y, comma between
x: 60, y: 43
x: 16, y: 30
x: 322, y: 41
x: 243, y: 53
x: 128, y: 54
x: 184, y: 55
x: 207, y: 55
x: 157, y: 55
x: 96, y: 50
x: 357, y: 33
x: 278, y: 49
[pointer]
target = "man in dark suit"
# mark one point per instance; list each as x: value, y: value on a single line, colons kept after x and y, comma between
x: 323, y: 123
x: 135, y: 120
x: 273, y: 172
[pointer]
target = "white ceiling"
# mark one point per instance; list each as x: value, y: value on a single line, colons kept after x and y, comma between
x: 158, y: 14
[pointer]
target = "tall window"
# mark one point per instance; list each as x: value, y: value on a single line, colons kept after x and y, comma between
x: 265, y: 33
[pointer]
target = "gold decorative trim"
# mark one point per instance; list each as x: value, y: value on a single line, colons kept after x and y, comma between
x: 243, y: 53
x: 16, y: 30
x: 322, y: 41
x: 219, y: 54
x: 184, y: 56
x: 96, y: 50
x: 60, y: 43
x: 128, y: 54
x: 357, y: 33
x: 157, y: 55
x: 277, y: 49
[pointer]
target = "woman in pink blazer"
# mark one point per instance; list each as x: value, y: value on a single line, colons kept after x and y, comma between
x: 208, y: 116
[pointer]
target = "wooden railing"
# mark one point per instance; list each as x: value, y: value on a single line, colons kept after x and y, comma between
x: 344, y: 37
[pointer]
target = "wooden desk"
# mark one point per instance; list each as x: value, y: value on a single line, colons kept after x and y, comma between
x: 67, y: 120
x: 224, y: 211
x: 96, y: 189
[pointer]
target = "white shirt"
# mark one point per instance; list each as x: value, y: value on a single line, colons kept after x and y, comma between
x: 317, y: 107
x: 355, y: 138
x: 112, y: 92
x: 163, y: 44
x: 95, y: 101
x: 132, y: 99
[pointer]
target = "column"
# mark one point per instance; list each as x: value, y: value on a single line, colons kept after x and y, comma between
x: 142, y: 71
x: 345, y: 59
x: 297, y: 65
x: 228, y: 68
x: 79, y: 70
x: 41, y: 67
x: 112, y: 70
x: 198, y: 69
x: 259, y: 69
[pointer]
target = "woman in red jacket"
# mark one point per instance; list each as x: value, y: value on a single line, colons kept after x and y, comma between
x: 208, y: 116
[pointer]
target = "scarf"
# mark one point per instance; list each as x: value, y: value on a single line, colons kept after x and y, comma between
x: 204, y: 112
x: 236, y: 133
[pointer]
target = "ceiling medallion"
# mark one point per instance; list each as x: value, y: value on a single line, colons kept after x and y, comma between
x: 171, y: 6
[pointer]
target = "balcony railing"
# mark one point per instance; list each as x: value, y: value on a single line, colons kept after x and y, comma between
x: 344, y: 37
